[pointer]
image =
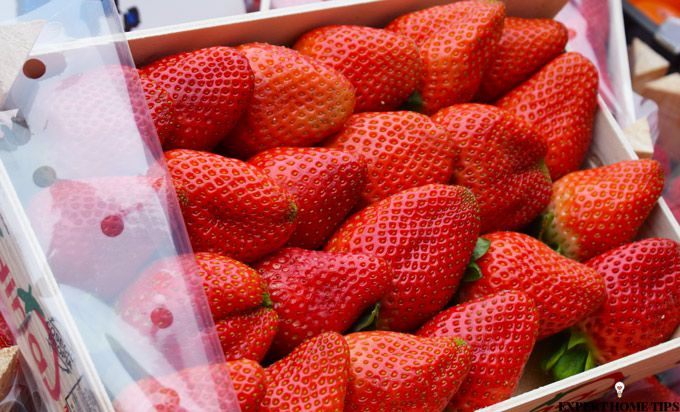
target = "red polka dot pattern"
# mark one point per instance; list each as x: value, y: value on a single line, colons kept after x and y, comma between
x: 248, y: 335
x: 249, y: 382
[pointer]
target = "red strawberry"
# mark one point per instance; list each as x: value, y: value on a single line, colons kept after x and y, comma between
x: 312, y: 378
x: 315, y: 292
x: 210, y: 88
x: 642, y: 305
x: 526, y: 45
x: 502, y: 329
x: 161, y: 108
x: 249, y: 382
x: 402, y: 150
x: 564, y: 291
x: 6, y: 337
x: 593, y: 211
x: 500, y: 158
x: 325, y: 183
x: 396, y: 372
x: 456, y: 44
x: 247, y: 335
x: 240, y: 306
x: 229, y: 206
x: 86, y: 226
x: 206, y: 388
x: 427, y: 235
x: 297, y: 102
x: 560, y: 101
x: 384, y: 67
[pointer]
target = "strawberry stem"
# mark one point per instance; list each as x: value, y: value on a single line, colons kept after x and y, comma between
x: 473, y: 272
x: 573, y: 356
x: 267, y: 300
x: 368, y: 320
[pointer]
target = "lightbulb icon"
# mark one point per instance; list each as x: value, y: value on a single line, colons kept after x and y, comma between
x: 619, y: 386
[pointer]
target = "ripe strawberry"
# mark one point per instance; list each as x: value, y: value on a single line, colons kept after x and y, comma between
x: 526, y: 45
x: 593, y: 211
x: 325, y: 184
x: 297, y: 102
x: 500, y: 158
x: 315, y: 292
x: 229, y: 206
x: 384, y: 67
x: 564, y: 291
x: 402, y: 150
x: 205, y: 388
x: 427, y: 235
x: 396, y: 372
x: 312, y: 378
x: 249, y: 382
x: 642, y: 304
x: 240, y: 306
x: 456, y: 44
x: 161, y: 108
x: 210, y: 88
x: 502, y: 329
x: 85, y: 226
x: 560, y: 101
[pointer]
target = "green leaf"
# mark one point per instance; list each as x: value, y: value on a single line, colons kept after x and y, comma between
x: 481, y: 248
x: 414, y: 103
x: 545, y: 223
x: 472, y: 273
x: 549, y: 361
x: 367, y: 320
x: 576, y: 338
x: 590, y: 361
x: 571, y: 363
x: 267, y: 300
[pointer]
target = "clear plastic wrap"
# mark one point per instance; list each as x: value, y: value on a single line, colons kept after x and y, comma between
x: 99, y: 284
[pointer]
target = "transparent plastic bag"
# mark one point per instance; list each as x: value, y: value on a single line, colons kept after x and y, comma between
x: 99, y: 284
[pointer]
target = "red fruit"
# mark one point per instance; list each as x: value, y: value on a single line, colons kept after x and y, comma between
x: 326, y: 185
x: 6, y: 337
x: 560, y: 101
x: 384, y: 67
x: 593, y: 211
x: 210, y: 88
x: 297, y: 102
x: 161, y: 109
x: 526, y: 45
x: 427, y: 235
x: 642, y: 304
x: 500, y: 158
x: 456, y: 44
x: 85, y: 227
x: 395, y: 372
x: 402, y: 150
x: 249, y: 382
x: 229, y: 206
x: 315, y: 292
x: 312, y: 378
x: 205, y: 388
x: 563, y: 290
x: 502, y: 329
x: 247, y: 335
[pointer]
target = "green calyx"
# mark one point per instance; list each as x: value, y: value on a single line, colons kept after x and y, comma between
x: 414, y: 103
x: 572, y: 356
x: 473, y: 272
x: 267, y: 300
x: 292, y: 212
x: 367, y: 321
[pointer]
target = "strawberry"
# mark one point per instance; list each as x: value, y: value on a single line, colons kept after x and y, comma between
x: 641, y: 308
x: 297, y: 101
x: 312, y: 378
x: 593, y: 211
x: 560, y: 101
x: 396, y: 372
x: 563, y: 290
x: 427, y: 235
x: 229, y: 206
x: 526, y: 45
x: 161, y: 108
x: 211, y: 88
x: 240, y: 306
x: 502, y: 329
x: 85, y: 226
x: 384, y: 67
x: 315, y: 292
x: 402, y: 150
x: 500, y: 158
x: 249, y: 382
x: 325, y: 184
x: 205, y: 388
x: 456, y: 44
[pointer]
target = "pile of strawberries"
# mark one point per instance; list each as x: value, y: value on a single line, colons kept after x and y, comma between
x: 389, y: 219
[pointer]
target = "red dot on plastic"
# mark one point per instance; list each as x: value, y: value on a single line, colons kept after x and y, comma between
x: 161, y: 318
x: 112, y: 225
